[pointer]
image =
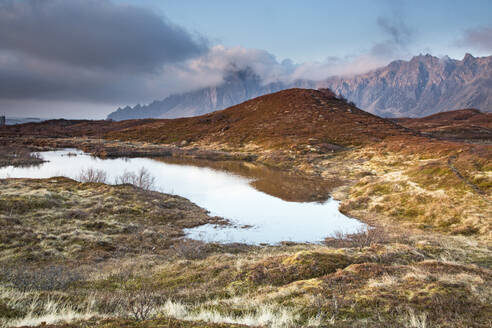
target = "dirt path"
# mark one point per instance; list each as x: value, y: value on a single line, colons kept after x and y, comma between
x: 465, y: 180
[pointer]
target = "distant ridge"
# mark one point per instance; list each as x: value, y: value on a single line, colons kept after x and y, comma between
x: 419, y: 87
x: 22, y: 120
x: 464, y: 124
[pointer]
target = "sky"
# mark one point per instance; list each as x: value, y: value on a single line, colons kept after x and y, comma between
x: 85, y: 58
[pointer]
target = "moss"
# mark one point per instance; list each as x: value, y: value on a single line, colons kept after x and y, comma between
x: 371, y: 286
x: 483, y: 183
x: 24, y: 204
x: 300, y: 266
x: 7, y: 312
x: 380, y: 189
x: 436, y: 175
x: 156, y: 323
x: 240, y: 287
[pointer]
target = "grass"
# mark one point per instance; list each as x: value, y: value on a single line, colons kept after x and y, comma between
x: 93, y: 255
x: 60, y: 219
x: 48, y: 311
x: 114, y: 241
x: 417, y: 191
x: 89, y: 254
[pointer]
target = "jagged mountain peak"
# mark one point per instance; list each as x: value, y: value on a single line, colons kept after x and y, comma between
x: 468, y: 57
x: 238, y: 85
x: 421, y: 86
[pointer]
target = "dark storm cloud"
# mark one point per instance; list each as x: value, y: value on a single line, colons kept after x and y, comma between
x: 22, y: 77
x: 93, y: 51
x: 94, y: 33
x: 478, y: 38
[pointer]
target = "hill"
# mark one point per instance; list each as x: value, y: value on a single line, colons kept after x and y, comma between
x: 69, y: 128
x: 463, y: 124
x: 294, y: 117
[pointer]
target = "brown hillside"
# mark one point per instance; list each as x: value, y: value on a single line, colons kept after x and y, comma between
x: 464, y: 124
x: 69, y: 128
x: 285, y: 118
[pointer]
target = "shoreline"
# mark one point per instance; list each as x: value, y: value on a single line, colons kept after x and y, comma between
x: 353, y: 168
x: 429, y: 258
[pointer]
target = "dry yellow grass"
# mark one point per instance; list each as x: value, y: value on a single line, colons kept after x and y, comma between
x: 394, y: 280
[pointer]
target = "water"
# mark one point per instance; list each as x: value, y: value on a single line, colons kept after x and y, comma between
x: 256, y: 216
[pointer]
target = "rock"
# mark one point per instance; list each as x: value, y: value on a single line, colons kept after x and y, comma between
x: 422, y: 86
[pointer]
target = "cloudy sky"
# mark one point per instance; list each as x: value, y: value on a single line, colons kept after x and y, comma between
x: 84, y: 58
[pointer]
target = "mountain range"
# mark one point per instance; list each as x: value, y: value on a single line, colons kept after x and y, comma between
x: 237, y: 87
x: 286, y: 119
x: 421, y: 86
x: 22, y: 120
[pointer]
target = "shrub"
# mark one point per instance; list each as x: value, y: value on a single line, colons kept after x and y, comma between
x: 142, y: 179
x: 363, y: 237
x: 281, y: 270
x: 48, y: 278
x: 142, y: 304
x: 93, y: 175
x: 191, y: 249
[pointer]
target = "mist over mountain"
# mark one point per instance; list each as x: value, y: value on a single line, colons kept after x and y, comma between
x: 237, y: 87
x: 421, y: 86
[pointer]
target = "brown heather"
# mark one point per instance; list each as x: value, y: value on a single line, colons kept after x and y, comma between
x: 284, y: 119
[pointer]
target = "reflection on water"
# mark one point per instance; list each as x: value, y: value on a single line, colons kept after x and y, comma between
x: 267, y: 201
x: 286, y: 186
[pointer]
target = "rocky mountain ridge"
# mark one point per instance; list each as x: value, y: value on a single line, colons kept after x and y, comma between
x: 419, y: 87
x: 422, y: 86
x: 237, y: 87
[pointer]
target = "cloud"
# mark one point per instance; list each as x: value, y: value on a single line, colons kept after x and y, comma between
x: 400, y: 33
x: 399, y: 36
x: 100, y: 52
x: 211, y: 68
x: 341, y: 66
x: 479, y: 38
x: 25, y: 77
x: 92, y: 51
x: 94, y: 33
x: 220, y: 60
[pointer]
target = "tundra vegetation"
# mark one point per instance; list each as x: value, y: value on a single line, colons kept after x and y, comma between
x: 18, y: 156
x: 91, y: 254
x: 88, y: 254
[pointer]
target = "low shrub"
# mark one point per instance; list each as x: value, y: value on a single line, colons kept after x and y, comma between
x: 142, y: 179
x: 92, y: 175
x: 48, y: 278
